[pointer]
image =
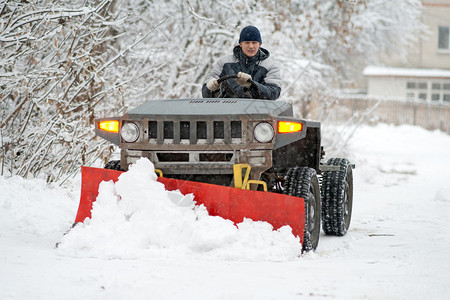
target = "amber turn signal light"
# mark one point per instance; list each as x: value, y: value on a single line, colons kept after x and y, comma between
x: 286, y: 127
x: 110, y: 126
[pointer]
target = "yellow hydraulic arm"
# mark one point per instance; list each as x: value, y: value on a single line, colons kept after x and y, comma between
x: 243, y: 182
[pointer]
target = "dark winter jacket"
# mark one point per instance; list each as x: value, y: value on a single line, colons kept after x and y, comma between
x: 264, y: 71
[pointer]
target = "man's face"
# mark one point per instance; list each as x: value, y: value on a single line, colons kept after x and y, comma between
x: 250, y: 48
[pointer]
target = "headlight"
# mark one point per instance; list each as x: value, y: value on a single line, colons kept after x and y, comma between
x: 130, y: 132
x: 263, y: 132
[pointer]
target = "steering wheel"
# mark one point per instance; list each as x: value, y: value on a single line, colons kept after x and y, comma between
x: 227, y: 92
x: 226, y: 77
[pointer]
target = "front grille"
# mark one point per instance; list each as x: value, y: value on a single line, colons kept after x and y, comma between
x: 168, y: 130
x: 193, y: 157
x: 152, y: 130
x: 236, y: 130
x: 173, y: 157
x: 201, y: 130
x: 185, y: 132
x: 218, y: 130
x: 195, y: 132
x: 215, y: 156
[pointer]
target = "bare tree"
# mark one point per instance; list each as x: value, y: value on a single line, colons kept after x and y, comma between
x: 52, y: 62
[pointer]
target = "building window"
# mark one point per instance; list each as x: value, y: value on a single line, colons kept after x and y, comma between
x: 422, y: 85
x: 416, y: 85
x: 417, y: 90
x: 437, y: 91
x: 444, y: 38
x: 436, y: 86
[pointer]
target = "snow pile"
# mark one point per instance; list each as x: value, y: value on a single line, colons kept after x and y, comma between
x: 136, y: 217
x: 33, y: 207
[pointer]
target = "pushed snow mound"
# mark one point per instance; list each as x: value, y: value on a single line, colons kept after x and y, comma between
x: 137, y: 217
x: 34, y: 207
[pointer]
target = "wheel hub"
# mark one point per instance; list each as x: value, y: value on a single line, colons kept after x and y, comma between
x: 312, y: 212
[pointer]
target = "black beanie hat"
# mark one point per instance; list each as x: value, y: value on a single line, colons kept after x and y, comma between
x: 249, y: 34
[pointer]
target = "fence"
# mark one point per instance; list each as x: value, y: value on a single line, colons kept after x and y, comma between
x: 427, y: 115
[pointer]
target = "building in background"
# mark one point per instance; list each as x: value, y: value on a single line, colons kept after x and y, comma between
x: 425, y: 74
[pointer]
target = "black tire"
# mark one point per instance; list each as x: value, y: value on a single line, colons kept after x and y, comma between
x: 337, y: 197
x: 113, y: 165
x: 303, y: 182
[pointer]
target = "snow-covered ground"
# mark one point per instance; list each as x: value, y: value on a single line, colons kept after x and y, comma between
x: 146, y: 247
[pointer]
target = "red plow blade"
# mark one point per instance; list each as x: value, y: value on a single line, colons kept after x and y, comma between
x: 226, y: 202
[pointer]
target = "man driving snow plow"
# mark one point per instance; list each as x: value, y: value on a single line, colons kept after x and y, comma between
x: 241, y: 158
x: 258, y: 76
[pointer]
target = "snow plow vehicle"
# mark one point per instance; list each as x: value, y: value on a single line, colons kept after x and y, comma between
x: 241, y: 158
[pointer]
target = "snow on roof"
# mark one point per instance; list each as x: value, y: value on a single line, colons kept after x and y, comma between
x: 405, y: 72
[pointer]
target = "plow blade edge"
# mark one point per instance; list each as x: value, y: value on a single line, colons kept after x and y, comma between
x: 227, y: 202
